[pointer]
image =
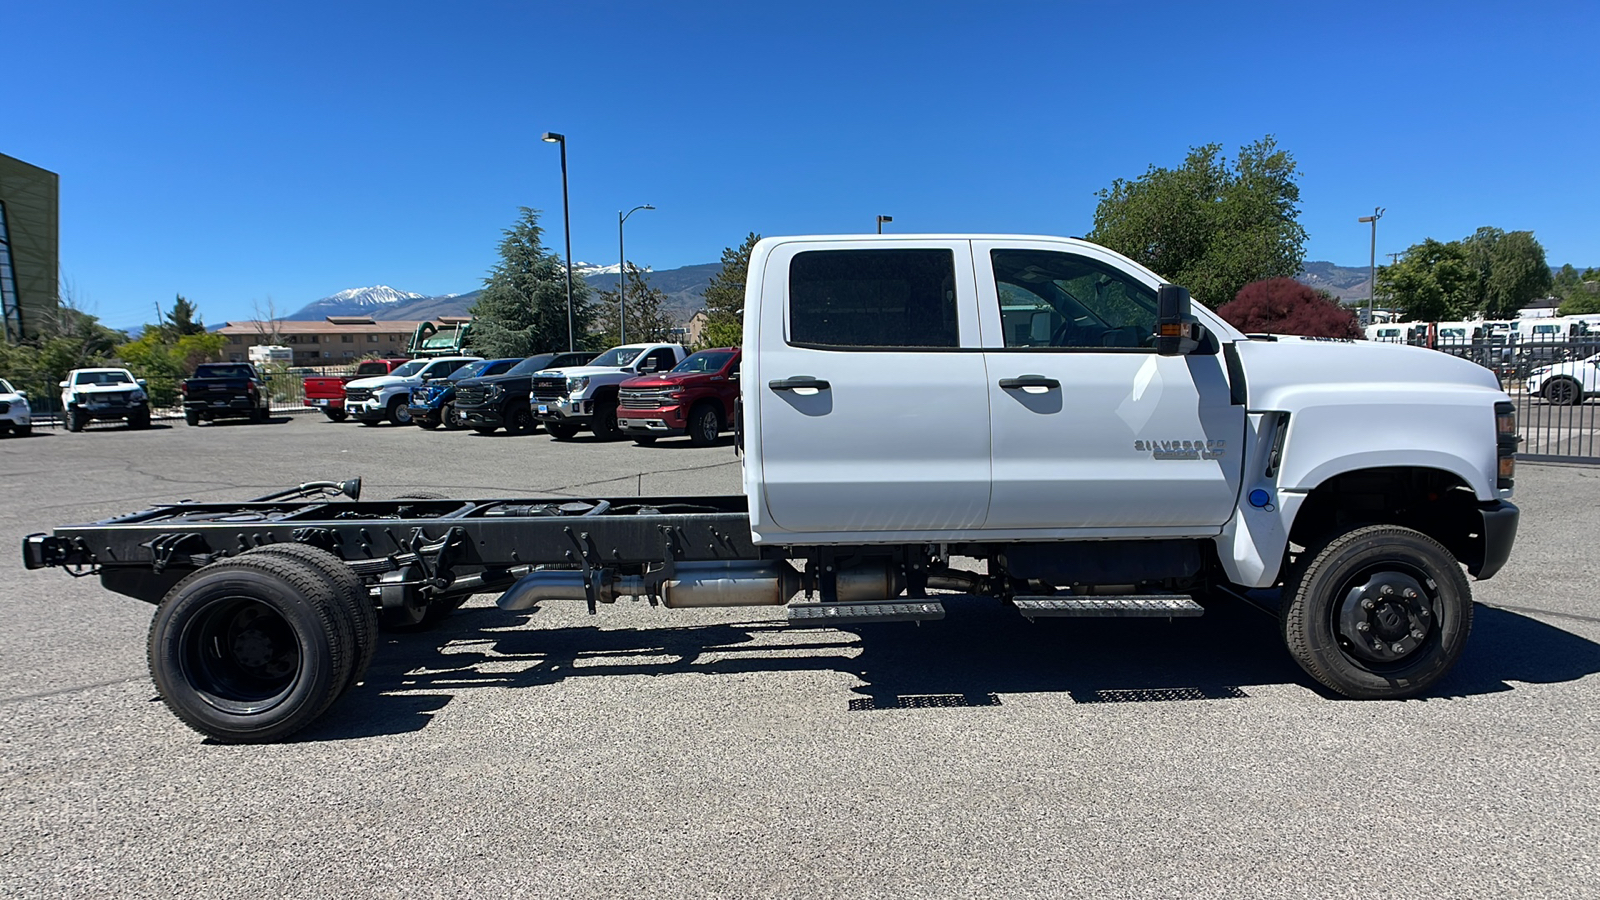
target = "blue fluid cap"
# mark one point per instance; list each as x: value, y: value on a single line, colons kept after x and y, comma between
x: 1260, y: 499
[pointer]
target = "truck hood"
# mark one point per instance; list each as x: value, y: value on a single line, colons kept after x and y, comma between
x: 1298, y: 364
x: 103, y: 388
x: 668, y: 379
x: 379, y: 381
x: 501, y: 379
x: 591, y: 371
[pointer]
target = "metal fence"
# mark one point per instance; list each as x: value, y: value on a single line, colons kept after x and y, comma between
x: 1556, y: 386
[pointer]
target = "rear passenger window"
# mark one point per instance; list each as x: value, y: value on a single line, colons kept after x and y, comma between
x: 872, y: 299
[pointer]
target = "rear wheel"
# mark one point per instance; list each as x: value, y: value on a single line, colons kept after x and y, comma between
x: 191, y: 417
x: 644, y: 440
x: 399, y: 414
x: 347, y: 588
x: 561, y: 432
x: 605, y: 420
x: 1380, y: 612
x: 250, y: 650
x: 428, y: 422
x: 335, y: 415
x: 258, y: 416
x: 1563, y: 392
x: 705, y: 423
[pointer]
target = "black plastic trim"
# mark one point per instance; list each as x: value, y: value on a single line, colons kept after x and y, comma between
x: 1499, y: 533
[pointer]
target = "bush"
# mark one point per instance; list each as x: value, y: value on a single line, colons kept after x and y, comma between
x: 1285, y: 306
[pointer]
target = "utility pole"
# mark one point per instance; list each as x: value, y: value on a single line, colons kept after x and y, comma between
x: 1372, y: 260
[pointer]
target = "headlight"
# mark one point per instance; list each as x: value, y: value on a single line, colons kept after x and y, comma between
x: 137, y: 396
x: 676, y: 395
x: 577, y: 383
x: 495, y: 390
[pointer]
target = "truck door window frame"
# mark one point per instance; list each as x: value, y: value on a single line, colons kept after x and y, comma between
x: 1098, y: 309
x: 926, y: 323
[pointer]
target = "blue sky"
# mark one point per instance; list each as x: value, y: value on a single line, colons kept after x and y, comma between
x: 237, y: 153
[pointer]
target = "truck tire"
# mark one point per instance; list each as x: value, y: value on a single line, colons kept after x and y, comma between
x: 74, y: 420
x: 399, y: 413
x: 259, y: 416
x: 644, y: 440
x: 335, y: 415
x: 561, y: 432
x: 191, y: 417
x: 250, y: 650
x: 1378, y: 613
x: 348, y: 588
x: 452, y: 418
x: 705, y: 424
x: 1562, y: 392
x: 519, y: 419
x: 605, y: 420
x: 426, y: 423
x: 484, y: 429
x: 139, y: 420
x: 23, y: 430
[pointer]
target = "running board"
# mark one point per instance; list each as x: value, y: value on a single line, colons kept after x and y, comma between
x: 826, y: 615
x: 1110, y: 606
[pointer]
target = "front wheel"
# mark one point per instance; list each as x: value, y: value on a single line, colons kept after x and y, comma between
x: 1563, y: 392
x: 705, y: 423
x: 399, y: 413
x: 139, y: 420
x: 1378, y: 613
x: 520, y: 420
x: 452, y: 418
x: 74, y: 420
x: 560, y: 431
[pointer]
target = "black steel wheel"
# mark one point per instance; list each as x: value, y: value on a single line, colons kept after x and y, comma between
x: 252, y: 649
x: 191, y: 418
x: 1563, y: 392
x: 1381, y: 612
x: 560, y: 431
x: 75, y: 420
x: 520, y: 420
x: 348, y: 589
x: 605, y: 420
x: 705, y: 423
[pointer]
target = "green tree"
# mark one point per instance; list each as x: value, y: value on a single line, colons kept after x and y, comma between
x: 163, y: 360
x: 183, y: 319
x: 1209, y: 226
x: 523, y: 307
x: 1579, y: 291
x: 1509, y: 271
x: 69, y: 339
x: 647, y: 320
x: 725, y: 297
x: 1431, y: 282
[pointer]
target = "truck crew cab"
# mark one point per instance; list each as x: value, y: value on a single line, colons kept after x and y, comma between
x: 566, y: 401
x: 1034, y: 420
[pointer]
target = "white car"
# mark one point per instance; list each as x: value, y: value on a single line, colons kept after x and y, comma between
x: 15, y: 416
x: 90, y: 394
x: 372, y: 400
x: 1566, y: 384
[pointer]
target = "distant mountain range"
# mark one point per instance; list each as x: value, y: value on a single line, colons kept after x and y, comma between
x: 684, y: 289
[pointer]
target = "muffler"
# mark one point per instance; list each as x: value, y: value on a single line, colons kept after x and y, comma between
x: 693, y: 584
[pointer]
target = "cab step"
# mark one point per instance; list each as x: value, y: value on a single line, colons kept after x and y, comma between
x: 826, y: 615
x: 1110, y: 606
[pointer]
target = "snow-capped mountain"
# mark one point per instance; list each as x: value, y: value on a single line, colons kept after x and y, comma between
x: 354, y: 302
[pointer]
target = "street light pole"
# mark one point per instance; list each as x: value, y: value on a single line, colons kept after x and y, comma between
x: 883, y: 219
x: 1372, y: 261
x: 622, y: 276
x: 550, y: 137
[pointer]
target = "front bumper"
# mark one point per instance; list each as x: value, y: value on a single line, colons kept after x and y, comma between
x: 111, y: 411
x: 238, y: 406
x: 665, y: 421
x: 325, y: 402
x: 565, y: 411
x: 483, y: 416
x: 367, y: 410
x: 1499, y: 532
x: 15, y: 414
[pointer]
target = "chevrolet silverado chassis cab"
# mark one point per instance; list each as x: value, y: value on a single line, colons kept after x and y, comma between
x: 1033, y: 420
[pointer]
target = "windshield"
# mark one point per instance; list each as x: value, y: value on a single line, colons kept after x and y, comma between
x: 409, y: 369
x: 473, y: 370
x: 705, y: 361
x: 532, y: 364
x: 5, y: 387
x: 102, y: 378
x: 617, y: 357
x: 222, y: 372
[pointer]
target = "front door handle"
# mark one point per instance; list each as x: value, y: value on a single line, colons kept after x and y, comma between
x: 799, y: 381
x: 1027, y: 381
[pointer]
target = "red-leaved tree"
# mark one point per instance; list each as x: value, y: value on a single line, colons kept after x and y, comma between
x: 1285, y: 306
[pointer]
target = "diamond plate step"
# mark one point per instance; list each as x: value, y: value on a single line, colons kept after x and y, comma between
x: 1110, y: 605
x: 824, y: 615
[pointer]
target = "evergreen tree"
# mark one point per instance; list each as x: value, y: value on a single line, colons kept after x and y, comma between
x: 183, y: 319
x: 725, y: 297
x: 1208, y: 226
x: 647, y: 321
x: 523, y: 307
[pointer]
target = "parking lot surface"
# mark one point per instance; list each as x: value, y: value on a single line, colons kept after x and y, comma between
x: 648, y: 752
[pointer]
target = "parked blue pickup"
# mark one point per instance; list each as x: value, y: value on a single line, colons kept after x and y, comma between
x: 433, y: 403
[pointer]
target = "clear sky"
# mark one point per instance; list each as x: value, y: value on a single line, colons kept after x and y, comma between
x: 236, y: 152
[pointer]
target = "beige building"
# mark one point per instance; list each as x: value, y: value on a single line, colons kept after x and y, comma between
x: 334, y: 341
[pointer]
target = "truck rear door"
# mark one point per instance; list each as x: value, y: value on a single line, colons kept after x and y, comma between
x: 1092, y: 430
x: 873, y: 409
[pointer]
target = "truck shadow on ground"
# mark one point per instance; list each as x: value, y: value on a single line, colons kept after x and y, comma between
x: 976, y: 656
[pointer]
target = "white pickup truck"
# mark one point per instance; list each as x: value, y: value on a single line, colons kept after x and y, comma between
x: 90, y: 395
x: 388, y: 397
x: 566, y: 401
x: 1034, y: 420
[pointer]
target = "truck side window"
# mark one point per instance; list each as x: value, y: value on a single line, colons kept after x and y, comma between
x: 1053, y: 300
x: 867, y: 299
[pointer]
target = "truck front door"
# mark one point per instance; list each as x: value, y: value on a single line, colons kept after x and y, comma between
x: 1091, y: 429
x: 873, y: 411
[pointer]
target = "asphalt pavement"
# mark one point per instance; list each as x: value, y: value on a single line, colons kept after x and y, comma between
x: 647, y: 752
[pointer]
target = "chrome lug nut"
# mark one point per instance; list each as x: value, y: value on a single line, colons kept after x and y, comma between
x: 1386, y: 590
x: 1362, y: 626
x: 1410, y: 593
x: 1398, y: 648
x: 1417, y: 633
x: 1367, y: 604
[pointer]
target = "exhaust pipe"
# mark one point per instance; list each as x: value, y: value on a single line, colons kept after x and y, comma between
x: 742, y: 583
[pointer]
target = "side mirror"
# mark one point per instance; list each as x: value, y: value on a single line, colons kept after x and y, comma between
x: 141, y: 382
x: 62, y: 385
x: 1177, y: 332
x: 22, y: 394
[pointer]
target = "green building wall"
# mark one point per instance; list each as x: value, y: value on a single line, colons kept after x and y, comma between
x: 32, y: 215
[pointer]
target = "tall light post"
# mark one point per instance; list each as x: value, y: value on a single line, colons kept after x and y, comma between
x: 622, y: 275
x: 883, y: 219
x: 1372, y: 261
x: 550, y: 137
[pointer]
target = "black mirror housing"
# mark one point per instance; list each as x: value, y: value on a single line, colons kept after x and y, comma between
x: 1178, y: 332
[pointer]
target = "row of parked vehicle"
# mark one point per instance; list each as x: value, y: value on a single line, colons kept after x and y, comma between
x: 640, y: 391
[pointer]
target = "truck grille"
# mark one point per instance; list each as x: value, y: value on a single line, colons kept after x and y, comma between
x: 472, y: 395
x: 112, y: 398
x: 644, y: 398
x: 549, y: 388
x: 357, y: 394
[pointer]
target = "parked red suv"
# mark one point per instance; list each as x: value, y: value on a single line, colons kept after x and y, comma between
x: 695, y: 398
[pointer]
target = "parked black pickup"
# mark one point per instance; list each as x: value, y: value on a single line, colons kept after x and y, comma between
x: 502, y: 400
x: 225, y: 390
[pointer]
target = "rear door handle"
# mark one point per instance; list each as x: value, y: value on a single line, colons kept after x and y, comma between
x: 799, y: 381
x: 1028, y: 381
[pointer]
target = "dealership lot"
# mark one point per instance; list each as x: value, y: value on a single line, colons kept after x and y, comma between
x: 647, y: 752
